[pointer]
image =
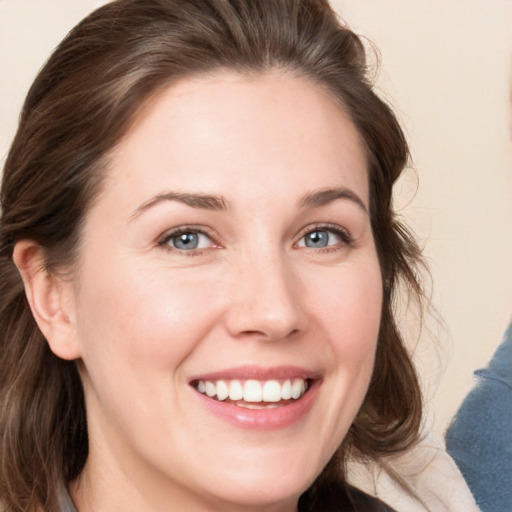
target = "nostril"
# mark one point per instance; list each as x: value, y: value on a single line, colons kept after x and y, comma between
x: 269, y: 334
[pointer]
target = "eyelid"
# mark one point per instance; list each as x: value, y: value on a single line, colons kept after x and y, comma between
x: 162, y: 240
x: 340, y: 231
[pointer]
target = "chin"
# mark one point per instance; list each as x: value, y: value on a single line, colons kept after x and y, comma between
x: 261, y: 492
x: 263, y: 482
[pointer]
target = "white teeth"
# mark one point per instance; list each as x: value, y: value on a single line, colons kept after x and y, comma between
x: 222, y: 390
x: 297, y: 388
x: 259, y: 405
x: 236, y: 391
x: 271, y: 391
x: 286, y: 390
x: 211, y: 390
x: 254, y: 391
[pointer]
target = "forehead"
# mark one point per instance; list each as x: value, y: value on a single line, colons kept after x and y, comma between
x: 231, y: 131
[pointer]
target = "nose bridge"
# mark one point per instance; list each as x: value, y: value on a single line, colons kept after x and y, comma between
x: 265, y: 299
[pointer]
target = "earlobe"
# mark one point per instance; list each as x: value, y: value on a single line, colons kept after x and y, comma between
x: 50, y: 298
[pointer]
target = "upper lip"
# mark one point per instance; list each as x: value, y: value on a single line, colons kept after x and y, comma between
x: 258, y: 373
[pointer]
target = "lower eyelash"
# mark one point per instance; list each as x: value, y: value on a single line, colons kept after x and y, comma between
x: 163, y: 241
x: 337, y: 230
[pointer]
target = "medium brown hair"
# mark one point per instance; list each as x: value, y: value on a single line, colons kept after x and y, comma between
x: 81, y: 104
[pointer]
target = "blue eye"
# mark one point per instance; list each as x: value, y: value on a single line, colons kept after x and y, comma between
x: 187, y: 240
x: 322, y: 238
x: 317, y: 239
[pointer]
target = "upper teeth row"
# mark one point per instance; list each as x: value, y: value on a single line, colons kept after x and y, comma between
x: 253, y: 390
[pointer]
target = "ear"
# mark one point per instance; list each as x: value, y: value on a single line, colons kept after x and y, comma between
x: 50, y: 298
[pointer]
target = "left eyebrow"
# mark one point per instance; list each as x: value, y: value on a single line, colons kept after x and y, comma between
x: 201, y: 201
x: 325, y: 196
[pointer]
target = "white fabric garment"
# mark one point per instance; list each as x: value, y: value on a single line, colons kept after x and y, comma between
x: 427, y: 470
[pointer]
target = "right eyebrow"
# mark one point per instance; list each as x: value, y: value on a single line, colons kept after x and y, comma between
x: 194, y: 200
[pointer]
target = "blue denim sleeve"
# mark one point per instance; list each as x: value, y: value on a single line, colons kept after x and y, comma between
x: 480, y: 436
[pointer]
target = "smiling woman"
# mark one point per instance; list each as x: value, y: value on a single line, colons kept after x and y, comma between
x: 198, y: 260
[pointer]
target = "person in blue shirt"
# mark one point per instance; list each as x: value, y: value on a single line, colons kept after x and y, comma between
x: 480, y: 436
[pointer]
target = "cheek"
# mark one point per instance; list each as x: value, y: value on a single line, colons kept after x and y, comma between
x: 349, y: 307
x: 150, y: 318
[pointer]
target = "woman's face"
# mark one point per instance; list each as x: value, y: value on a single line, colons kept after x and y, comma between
x: 230, y: 254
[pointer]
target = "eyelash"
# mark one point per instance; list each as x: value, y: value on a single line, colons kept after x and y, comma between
x: 346, y: 238
x: 342, y: 233
x: 164, y: 240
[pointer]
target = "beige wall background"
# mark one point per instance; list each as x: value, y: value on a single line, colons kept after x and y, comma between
x: 446, y: 68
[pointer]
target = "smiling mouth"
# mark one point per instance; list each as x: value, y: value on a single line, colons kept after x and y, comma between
x: 254, y: 394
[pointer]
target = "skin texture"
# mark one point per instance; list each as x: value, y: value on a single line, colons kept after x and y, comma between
x: 144, y: 317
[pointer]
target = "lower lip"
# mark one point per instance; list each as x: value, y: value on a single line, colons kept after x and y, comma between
x: 262, y: 419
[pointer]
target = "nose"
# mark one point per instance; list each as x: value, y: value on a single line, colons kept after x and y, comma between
x: 265, y: 299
